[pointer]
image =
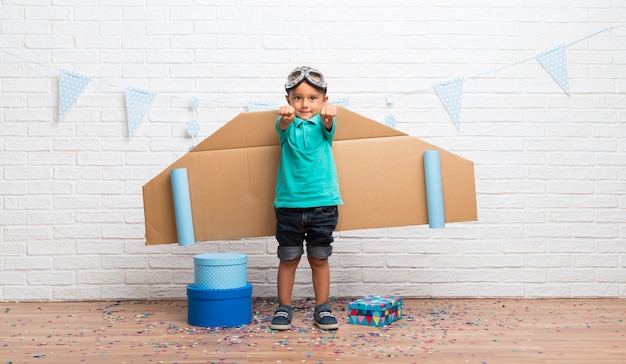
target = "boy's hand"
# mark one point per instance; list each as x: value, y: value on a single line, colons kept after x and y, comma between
x: 328, y: 113
x: 287, y: 113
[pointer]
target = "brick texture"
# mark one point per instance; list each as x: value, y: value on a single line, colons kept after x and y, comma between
x: 550, y: 168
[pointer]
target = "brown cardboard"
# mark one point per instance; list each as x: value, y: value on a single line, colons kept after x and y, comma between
x: 232, y: 176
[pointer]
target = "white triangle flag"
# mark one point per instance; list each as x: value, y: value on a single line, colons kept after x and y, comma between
x: 553, y: 60
x: 71, y: 85
x: 451, y: 95
x: 138, y: 104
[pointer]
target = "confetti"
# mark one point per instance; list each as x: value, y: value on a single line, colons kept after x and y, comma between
x: 462, y: 330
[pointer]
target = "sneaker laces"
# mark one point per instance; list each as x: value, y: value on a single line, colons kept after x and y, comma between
x: 325, y: 314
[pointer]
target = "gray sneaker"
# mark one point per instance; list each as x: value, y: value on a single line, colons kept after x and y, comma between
x: 324, y: 319
x: 282, y: 318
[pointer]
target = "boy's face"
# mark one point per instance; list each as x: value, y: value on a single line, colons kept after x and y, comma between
x: 307, y: 100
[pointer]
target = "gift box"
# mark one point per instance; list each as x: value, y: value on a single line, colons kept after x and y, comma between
x: 375, y: 310
x: 220, y: 270
x: 219, y: 307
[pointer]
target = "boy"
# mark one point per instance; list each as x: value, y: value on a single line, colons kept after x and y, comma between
x: 307, y: 192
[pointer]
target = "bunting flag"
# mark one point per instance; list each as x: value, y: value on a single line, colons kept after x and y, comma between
x: 71, y: 85
x: 138, y: 104
x: 261, y: 106
x: 193, y: 126
x: 390, y: 120
x: 257, y: 105
x: 343, y: 102
x: 553, y: 60
x: 451, y: 94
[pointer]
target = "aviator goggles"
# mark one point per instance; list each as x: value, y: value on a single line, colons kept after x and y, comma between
x: 299, y: 74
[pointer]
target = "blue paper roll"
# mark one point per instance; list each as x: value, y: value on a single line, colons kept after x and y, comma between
x: 434, y: 190
x: 182, y: 206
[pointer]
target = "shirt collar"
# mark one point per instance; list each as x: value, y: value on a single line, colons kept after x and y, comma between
x: 314, y: 120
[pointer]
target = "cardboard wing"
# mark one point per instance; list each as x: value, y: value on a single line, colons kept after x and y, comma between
x: 232, y: 176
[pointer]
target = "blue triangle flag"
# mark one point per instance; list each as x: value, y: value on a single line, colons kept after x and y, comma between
x: 340, y: 101
x: 138, y: 104
x: 553, y: 60
x: 390, y: 120
x: 193, y: 128
x: 261, y: 106
x: 451, y: 94
x: 71, y: 85
x: 194, y: 102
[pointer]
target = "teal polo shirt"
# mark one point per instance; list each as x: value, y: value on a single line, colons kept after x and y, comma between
x: 307, y: 175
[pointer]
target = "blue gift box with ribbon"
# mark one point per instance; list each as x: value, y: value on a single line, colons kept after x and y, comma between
x: 375, y: 310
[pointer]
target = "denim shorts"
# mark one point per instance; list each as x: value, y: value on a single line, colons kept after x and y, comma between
x: 315, y: 225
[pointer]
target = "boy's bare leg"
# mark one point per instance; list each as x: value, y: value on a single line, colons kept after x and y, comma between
x: 323, y: 317
x: 286, y: 279
x: 321, y: 279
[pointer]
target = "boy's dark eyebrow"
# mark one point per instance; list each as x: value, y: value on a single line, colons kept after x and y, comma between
x: 310, y: 96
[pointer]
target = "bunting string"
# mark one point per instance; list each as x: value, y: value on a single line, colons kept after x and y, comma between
x: 449, y: 92
x: 553, y: 61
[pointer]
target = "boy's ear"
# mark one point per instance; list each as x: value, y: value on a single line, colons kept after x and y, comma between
x: 287, y: 98
x: 325, y: 98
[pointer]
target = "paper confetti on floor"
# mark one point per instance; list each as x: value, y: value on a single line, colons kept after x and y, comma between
x: 442, y: 331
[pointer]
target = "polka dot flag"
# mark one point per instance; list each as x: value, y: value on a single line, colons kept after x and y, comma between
x: 390, y: 120
x: 257, y: 105
x: 451, y: 94
x: 261, y: 106
x: 553, y: 60
x: 193, y: 127
x: 71, y: 85
x: 138, y: 104
x: 340, y: 102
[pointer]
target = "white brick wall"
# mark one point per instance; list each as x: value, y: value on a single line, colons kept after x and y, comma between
x: 550, y: 169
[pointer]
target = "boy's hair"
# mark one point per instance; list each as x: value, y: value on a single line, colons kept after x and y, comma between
x: 306, y: 74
